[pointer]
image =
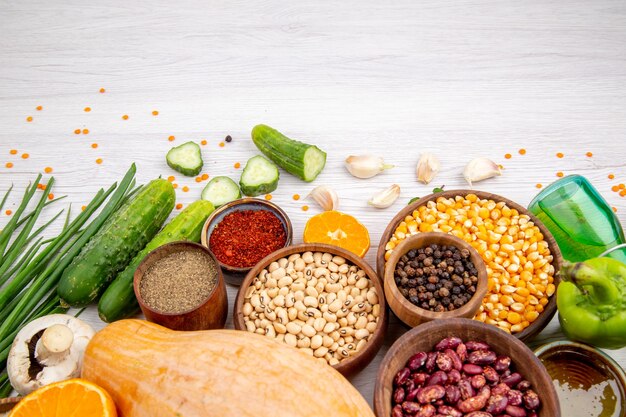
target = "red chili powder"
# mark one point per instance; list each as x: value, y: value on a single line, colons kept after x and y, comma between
x: 245, y: 237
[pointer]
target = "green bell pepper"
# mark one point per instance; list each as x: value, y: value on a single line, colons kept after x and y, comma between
x: 591, y: 300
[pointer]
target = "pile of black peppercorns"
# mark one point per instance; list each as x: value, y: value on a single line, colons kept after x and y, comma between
x: 437, y: 278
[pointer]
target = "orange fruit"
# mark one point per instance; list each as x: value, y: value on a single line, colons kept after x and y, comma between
x: 339, y: 229
x: 74, y: 397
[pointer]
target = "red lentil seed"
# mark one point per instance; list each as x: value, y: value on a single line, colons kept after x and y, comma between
x: 185, y: 189
x: 305, y: 208
x: 77, y: 132
x: 179, y: 206
x: 99, y: 161
x: 94, y: 145
x: 102, y: 90
x: 87, y: 109
x: 296, y: 197
x: 39, y: 108
x: 83, y: 208
x: 522, y: 151
x: 171, y: 138
x: 268, y: 197
x: 205, y: 177
x: 155, y: 113
x: 614, y: 209
x: 221, y: 144
x: 559, y: 174
x: 50, y: 196
x: 9, y: 165
x: 538, y: 185
x: 8, y: 212
x: 589, y: 154
x: 507, y: 156
x: 25, y: 156
x: 237, y: 165
x: 559, y: 155
x: 198, y: 179
x: 203, y: 142
x: 29, y: 119
x: 615, y: 188
x: 13, y: 151
x: 47, y: 170
x: 85, y: 131
x: 125, y: 117
x: 611, y: 176
x: 171, y: 178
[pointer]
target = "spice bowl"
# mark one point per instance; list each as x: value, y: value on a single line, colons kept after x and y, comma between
x: 452, y: 212
x: 508, y: 354
x: 588, y: 381
x: 413, y: 315
x: 325, y: 319
x: 235, y: 274
x: 209, y: 312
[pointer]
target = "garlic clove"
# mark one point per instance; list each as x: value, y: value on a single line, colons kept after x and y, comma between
x: 386, y: 197
x: 479, y: 169
x: 326, y: 197
x: 427, y: 167
x: 366, y: 166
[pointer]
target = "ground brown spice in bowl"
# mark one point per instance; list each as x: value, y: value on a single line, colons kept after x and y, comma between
x: 178, y: 282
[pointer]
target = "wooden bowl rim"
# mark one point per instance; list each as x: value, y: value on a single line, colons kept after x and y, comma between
x: 516, y: 343
x: 232, y: 206
x: 549, y: 310
x: 155, y: 255
x: 356, y: 362
x: 392, y: 291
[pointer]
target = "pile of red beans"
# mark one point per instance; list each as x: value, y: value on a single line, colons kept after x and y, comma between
x: 462, y: 380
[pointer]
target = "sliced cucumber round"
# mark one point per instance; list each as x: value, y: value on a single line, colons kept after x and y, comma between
x: 186, y: 159
x: 260, y: 176
x: 221, y: 190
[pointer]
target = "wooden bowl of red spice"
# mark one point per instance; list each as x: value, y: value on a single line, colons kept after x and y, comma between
x: 180, y: 286
x: 244, y: 231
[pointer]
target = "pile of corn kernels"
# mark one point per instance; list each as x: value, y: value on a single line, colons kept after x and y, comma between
x: 518, y: 260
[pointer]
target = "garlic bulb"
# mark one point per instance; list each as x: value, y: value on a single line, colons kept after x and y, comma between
x: 386, y: 197
x: 427, y: 167
x: 325, y: 196
x: 366, y: 166
x: 479, y: 169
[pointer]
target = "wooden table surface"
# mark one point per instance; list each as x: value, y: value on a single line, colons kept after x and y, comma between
x: 462, y: 79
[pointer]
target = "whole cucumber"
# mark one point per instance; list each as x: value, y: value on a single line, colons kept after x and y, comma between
x: 118, y: 301
x: 110, y: 250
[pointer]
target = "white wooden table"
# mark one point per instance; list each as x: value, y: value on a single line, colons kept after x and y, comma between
x: 461, y: 78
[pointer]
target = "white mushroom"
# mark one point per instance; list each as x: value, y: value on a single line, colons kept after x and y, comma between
x: 46, y: 350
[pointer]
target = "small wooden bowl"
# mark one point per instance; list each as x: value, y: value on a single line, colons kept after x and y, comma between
x: 426, y: 336
x: 234, y: 275
x: 7, y: 404
x: 549, y: 309
x: 413, y: 315
x: 354, y: 363
x: 210, y: 314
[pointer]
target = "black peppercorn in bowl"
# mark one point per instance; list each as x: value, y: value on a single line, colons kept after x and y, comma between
x: 234, y: 274
x: 433, y: 276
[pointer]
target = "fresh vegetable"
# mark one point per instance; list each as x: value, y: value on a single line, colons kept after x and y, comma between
x: 339, y: 229
x: 118, y: 301
x: 221, y: 190
x: 325, y: 196
x: 591, y: 300
x: 297, y: 158
x: 385, y: 198
x: 186, y: 159
x: 119, y: 240
x: 53, y: 345
x: 151, y: 371
x: 366, y: 166
x: 74, y: 397
x: 427, y: 167
x: 259, y: 176
x: 479, y: 169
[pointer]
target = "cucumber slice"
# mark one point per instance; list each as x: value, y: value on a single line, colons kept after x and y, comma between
x: 260, y: 176
x: 221, y: 190
x: 186, y: 159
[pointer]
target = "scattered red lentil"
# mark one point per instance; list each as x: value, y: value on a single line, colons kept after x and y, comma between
x: 41, y: 186
x: 221, y: 144
x: 9, y: 165
x: 538, y: 185
x: 87, y: 109
x: 614, y: 209
x: 179, y: 206
x: 589, y: 154
x: 522, y: 151
x: 507, y: 155
x: 611, y: 176
x: 94, y: 145
x: 47, y: 170
x: 305, y: 208
x: 8, y: 212
x: 99, y: 161
x: 39, y: 108
x: 125, y: 117
x: 621, y: 186
x: 171, y: 138
x: 203, y: 142
x: 622, y: 193
x: 50, y: 196
x: 13, y: 151
x: 615, y: 188
x: 102, y: 90
x: 185, y: 189
x: 198, y: 179
x: 85, y: 131
x: 83, y: 208
x: 237, y: 165
x: 77, y: 132
x: 205, y: 177
x: 296, y: 197
x: 171, y: 178
x: 29, y: 119
x: 559, y: 155
x: 155, y: 113
x: 25, y: 156
x: 245, y: 237
x: 175, y: 185
x: 559, y: 174
x: 268, y: 197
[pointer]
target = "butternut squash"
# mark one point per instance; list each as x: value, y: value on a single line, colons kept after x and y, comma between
x: 151, y: 371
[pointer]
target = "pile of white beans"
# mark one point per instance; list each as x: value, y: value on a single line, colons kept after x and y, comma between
x: 316, y: 302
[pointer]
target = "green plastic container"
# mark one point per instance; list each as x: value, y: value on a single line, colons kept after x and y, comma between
x: 581, y: 221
